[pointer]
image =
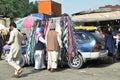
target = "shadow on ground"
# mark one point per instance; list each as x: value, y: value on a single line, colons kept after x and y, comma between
x: 100, y: 63
x: 33, y: 71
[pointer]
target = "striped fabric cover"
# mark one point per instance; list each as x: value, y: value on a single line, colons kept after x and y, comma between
x: 68, y: 37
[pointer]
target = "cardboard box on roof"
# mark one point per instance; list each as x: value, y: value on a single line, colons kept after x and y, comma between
x: 49, y: 7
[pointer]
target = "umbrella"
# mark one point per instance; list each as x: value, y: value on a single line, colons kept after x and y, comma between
x: 29, y: 21
x: 26, y: 22
x: 20, y: 22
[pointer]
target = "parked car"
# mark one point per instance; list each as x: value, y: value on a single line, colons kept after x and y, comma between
x: 89, y: 46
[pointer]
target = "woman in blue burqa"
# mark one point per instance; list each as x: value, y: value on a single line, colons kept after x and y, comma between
x: 110, y: 42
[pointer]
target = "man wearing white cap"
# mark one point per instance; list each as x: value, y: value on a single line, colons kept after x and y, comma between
x: 53, y: 47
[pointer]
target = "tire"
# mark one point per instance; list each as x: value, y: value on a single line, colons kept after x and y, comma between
x: 76, y: 62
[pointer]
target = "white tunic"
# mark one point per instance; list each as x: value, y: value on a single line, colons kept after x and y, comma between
x: 15, y: 40
x: 15, y: 56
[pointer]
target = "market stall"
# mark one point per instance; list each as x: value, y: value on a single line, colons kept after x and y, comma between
x: 64, y: 27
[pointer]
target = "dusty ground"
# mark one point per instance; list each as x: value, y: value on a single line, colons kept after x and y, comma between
x: 94, y: 70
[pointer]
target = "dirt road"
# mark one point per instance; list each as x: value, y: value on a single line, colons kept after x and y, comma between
x: 95, y: 70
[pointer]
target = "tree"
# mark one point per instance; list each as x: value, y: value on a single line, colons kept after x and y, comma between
x: 16, y: 8
x: 33, y: 8
x: 6, y: 8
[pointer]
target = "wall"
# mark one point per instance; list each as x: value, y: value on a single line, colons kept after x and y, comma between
x: 5, y: 21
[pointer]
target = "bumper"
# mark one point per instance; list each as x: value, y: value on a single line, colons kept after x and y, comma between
x: 100, y: 54
x: 94, y: 55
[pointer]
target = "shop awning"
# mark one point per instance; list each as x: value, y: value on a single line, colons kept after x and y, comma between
x: 94, y: 17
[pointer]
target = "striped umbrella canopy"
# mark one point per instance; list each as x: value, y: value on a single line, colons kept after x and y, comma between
x: 29, y: 20
x: 20, y: 22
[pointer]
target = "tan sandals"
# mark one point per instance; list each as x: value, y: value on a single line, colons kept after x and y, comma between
x: 18, y: 73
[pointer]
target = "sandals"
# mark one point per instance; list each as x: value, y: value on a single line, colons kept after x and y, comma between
x: 19, y: 71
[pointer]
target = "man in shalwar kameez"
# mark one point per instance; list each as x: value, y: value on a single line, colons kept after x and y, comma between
x: 53, y: 46
x: 15, y: 53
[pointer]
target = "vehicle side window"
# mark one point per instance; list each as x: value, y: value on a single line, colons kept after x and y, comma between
x: 82, y: 38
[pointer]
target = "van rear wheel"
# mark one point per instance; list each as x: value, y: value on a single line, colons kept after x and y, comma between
x: 76, y: 62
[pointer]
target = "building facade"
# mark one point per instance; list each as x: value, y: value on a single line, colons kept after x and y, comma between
x: 105, y: 16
